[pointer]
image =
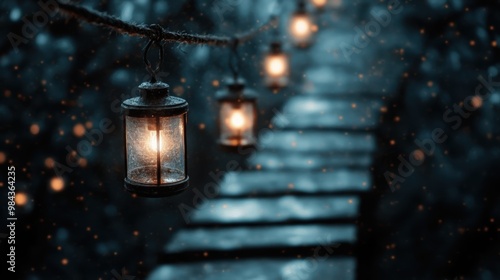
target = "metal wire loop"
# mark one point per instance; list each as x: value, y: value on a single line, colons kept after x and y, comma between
x: 155, y: 39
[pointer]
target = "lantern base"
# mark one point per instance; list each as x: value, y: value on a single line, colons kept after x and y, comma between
x: 236, y: 141
x: 163, y: 190
x: 275, y: 87
x: 303, y: 45
x: 241, y: 149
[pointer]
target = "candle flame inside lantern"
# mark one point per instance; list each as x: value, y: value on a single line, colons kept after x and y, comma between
x: 301, y: 26
x: 276, y: 65
x: 237, y: 120
x: 153, y: 141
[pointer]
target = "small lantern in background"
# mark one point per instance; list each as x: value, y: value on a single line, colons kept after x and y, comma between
x: 155, y: 142
x: 237, y: 115
x: 319, y: 4
x: 301, y: 26
x: 276, y: 67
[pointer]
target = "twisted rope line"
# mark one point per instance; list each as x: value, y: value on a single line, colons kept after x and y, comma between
x: 141, y: 30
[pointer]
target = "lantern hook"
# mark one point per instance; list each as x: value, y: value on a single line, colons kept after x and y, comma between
x: 234, y: 59
x: 155, y: 38
x: 301, y: 5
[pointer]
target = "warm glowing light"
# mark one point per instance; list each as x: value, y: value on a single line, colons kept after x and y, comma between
x: 153, y: 141
x: 276, y: 65
x: 82, y: 162
x: 34, y: 129
x: 78, y: 130
x: 301, y: 26
x: 477, y: 101
x: 237, y: 120
x: 418, y: 155
x: 3, y: 157
x: 319, y: 3
x: 49, y: 162
x: 21, y: 199
x: 57, y: 184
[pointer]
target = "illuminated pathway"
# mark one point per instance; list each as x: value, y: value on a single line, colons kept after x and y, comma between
x: 297, y: 215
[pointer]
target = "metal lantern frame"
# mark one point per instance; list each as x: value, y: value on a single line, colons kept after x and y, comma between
x: 154, y: 103
x: 301, y: 11
x: 237, y: 94
x: 276, y: 82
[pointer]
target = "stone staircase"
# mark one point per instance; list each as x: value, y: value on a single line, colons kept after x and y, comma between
x: 296, y: 214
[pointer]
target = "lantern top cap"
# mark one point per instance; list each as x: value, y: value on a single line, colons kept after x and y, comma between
x: 236, y: 91
x: 156, y: 90
x: 237, y: 84
x: 153, y: 86
x: 301, y: 7
x: 154, y: 100
x: 276, y: 47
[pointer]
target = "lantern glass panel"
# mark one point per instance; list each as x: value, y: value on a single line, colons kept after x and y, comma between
x: 153, y: 139
x: 276, y: 66
x: 301, y: 29
x: 237, y: 123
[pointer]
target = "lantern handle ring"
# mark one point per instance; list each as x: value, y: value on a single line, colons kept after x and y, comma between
x: 155, y: 39
x: 301, y: 5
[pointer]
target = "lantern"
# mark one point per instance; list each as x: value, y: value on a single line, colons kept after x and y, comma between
x: 276, y: 67
x: 237, y: 115
x: 319, y: 4
x: 301, y: 26
x: 155, y: 142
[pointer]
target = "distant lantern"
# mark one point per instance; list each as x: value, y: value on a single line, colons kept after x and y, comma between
x: 276, y: 67
x: 237, y: 115
x: 320, y: 4
x: 301, y: 26
x: 155, y: 142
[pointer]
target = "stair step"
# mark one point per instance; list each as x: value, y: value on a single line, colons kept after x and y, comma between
x: 318, y: 141
x: 281, y: 182
x: 275, y: 210
x: 261, y: 269
x: 333, y: 81
x: 307, y: 112
x: 308, y: 161
x: 239, y: 238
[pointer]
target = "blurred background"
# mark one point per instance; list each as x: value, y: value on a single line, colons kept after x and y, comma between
x: 419, y: 72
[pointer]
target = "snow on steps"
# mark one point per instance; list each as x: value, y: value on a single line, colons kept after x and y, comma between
x: 261, y: 268
x: 259, y: 183
x: 275, y: 210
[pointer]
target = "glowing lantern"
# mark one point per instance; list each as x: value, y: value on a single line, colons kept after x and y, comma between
x: 276, y: 67
x: 320, y: 4
x: 155, y: 142
x: 301, y: 26
x: 237, y: 115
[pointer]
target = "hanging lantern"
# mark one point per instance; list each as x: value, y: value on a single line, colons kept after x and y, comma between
x: 155, y: 142
x: 276, y: 67
x: 319, y: 4
x: 237, y: 115
x: 301, y: 26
